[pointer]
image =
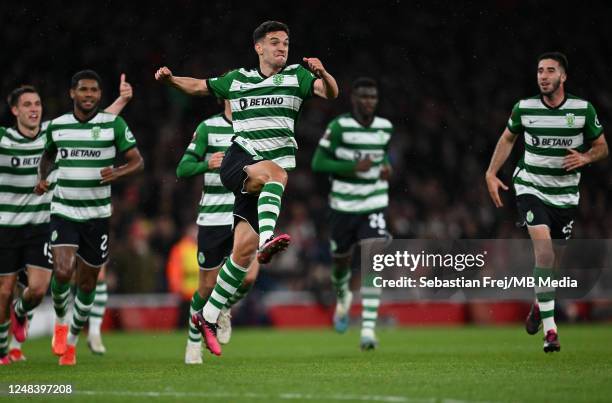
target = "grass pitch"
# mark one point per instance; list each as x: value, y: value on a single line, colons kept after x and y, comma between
x: 411, y: 365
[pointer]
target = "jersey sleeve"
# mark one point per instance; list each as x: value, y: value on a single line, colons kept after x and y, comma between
x: 592, y: 127
x: 329, y: 141
x: 514, y: 122
x: 220, y: 86
x: 199, y: 141
x: 306, y: 81
x: 124, y: 139
x: 50, y: 145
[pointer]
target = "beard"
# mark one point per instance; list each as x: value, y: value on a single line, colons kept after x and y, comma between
x: 85, y: 110
x: 554, y: 86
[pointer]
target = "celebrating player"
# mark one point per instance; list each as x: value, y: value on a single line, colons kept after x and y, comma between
x: 85, y: 142
x: 562, y: 134
x: 24, y: 226
x: 265, y: 104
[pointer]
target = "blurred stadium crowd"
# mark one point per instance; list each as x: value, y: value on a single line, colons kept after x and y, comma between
x: 449, y: 75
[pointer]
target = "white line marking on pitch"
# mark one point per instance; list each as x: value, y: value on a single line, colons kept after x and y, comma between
x: 282, y: 396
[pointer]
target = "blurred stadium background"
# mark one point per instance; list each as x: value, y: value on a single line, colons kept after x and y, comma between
x: 449, y: 74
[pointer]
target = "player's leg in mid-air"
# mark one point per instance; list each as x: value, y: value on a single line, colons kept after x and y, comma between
x: 268, y: 180
x: 229, y: 279
x: 96, y: 316
x: 224, y: 323
x: 214, y: 244
x: 206, y: 282
x: 257, y: 188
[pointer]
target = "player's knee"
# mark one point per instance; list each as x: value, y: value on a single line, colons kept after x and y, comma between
x: 266, y: 171
x: 63, y: 272
x: 277, y: 174
x: 63, y: 266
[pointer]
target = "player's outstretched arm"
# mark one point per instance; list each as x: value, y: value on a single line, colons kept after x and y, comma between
x: 189, y: 85
x: 598, y: 151
x: 134, y: 164
x: 325, y: 86
x: 500, y: 155
x: 190, y: 166
x: 125, y: 95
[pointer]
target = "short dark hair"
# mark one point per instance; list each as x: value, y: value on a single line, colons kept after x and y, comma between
x: 13, y: 97
x: 269, y: 26
x: 558, y: 56
x: 364, y: 82
x: 84, y: 75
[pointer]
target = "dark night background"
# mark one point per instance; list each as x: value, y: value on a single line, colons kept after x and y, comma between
x: 449, y: 74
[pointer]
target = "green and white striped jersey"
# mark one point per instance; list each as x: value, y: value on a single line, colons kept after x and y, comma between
x: 83, y: 150
x: 265, y: 109
x: 19, y: 158
x: 217, y: 203
x: 549, y: 133
x: 346, y: 139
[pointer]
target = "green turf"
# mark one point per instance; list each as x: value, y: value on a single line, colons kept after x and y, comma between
x: 411, y: 365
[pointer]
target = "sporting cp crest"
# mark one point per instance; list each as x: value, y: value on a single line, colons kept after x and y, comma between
x: 277, y: 79
x: 570, y: 118
x: 95, y: 132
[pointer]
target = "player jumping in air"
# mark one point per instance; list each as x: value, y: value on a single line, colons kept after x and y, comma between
x: 265, y: 105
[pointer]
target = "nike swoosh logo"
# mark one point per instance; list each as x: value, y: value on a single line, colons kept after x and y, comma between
x: 532, y: 121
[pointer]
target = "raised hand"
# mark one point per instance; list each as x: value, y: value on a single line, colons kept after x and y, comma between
x: 163, y: 74
x: 315, y: 66
x: 125, y: 89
